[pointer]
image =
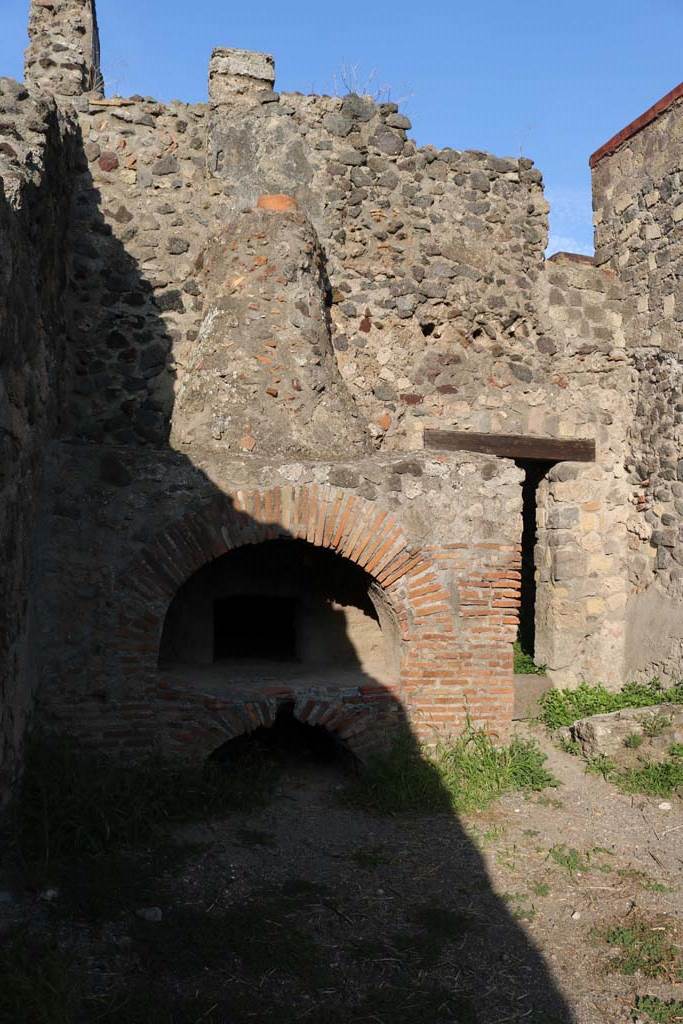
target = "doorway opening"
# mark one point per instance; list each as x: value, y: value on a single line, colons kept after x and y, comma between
x: 525, y: 653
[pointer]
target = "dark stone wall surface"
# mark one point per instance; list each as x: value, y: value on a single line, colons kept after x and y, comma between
x: 36, y: 157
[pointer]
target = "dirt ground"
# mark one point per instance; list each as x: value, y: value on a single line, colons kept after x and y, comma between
x: 311, y: 911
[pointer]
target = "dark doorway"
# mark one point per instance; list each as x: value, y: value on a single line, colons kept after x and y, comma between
x: 255, y: 626
x: 534, y: 472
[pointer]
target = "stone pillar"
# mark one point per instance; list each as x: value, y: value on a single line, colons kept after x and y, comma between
x: 63, y: 55
x: 239, y: 74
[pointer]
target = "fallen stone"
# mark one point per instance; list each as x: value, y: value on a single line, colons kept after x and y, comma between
x: 605, y: 734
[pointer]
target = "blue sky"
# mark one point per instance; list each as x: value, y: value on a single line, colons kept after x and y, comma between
x: 551, y: 80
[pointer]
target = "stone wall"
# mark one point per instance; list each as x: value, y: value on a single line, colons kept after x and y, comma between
x: 438, y: 303
x: 582, y: 545
x: 638, y: 201
x: 36, y: 153
x: 243, y: 316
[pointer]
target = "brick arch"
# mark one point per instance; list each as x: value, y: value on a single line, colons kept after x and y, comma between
x: 360, y: 728
x: 331, y: 518
x: 356, y: 529
x: 453, y: 604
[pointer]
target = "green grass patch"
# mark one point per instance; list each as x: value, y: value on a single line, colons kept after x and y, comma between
x: 651, y: 778
x: 572, y: 747
x: 634, y: 740
x: 643, y: 948
x: 569, y: 858
x: 574, y: 861
x: 659, y: 1011
x: 463, y: 775
x: 524, y: 664
x: 564, y: 707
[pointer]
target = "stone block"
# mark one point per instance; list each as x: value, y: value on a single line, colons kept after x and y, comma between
x: 605, y: 734
x: 235, y: 73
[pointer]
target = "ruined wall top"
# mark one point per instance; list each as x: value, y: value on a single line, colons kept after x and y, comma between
x: 234, y: 73
x: 63, y: 55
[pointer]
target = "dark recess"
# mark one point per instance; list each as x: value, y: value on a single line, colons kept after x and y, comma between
x: 255, y: 626
x: 533, y: 474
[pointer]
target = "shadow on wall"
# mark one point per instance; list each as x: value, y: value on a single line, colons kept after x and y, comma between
x: 121, y: 347
x: 496, y: 972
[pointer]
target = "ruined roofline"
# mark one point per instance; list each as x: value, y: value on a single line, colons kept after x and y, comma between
x: 561, y: 256
x: 650, y: 115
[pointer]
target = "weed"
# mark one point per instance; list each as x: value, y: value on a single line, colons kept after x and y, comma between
x: 466, y: 774
x: 519, y: 906
x: 524, y: 664
x: 655, y: 725
x: 653, y: 886
x: 633, y: 740
x: 643, y: 948
x: 564, y: 707
x: 507, y: 857
x: 493, y: 833
x: 676, y: 750
x: 572, y: 747
x: 642, y: 878
x: 601, y: 765
x: 604, y: 852
x: 658, y: 1010
x: 568, y: 858
x: 540, y: 889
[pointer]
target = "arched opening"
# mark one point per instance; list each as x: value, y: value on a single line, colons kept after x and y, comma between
x: 288, y: 741
x: 280, y: 611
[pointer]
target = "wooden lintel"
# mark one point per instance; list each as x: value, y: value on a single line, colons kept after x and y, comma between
x: 513, y: 446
